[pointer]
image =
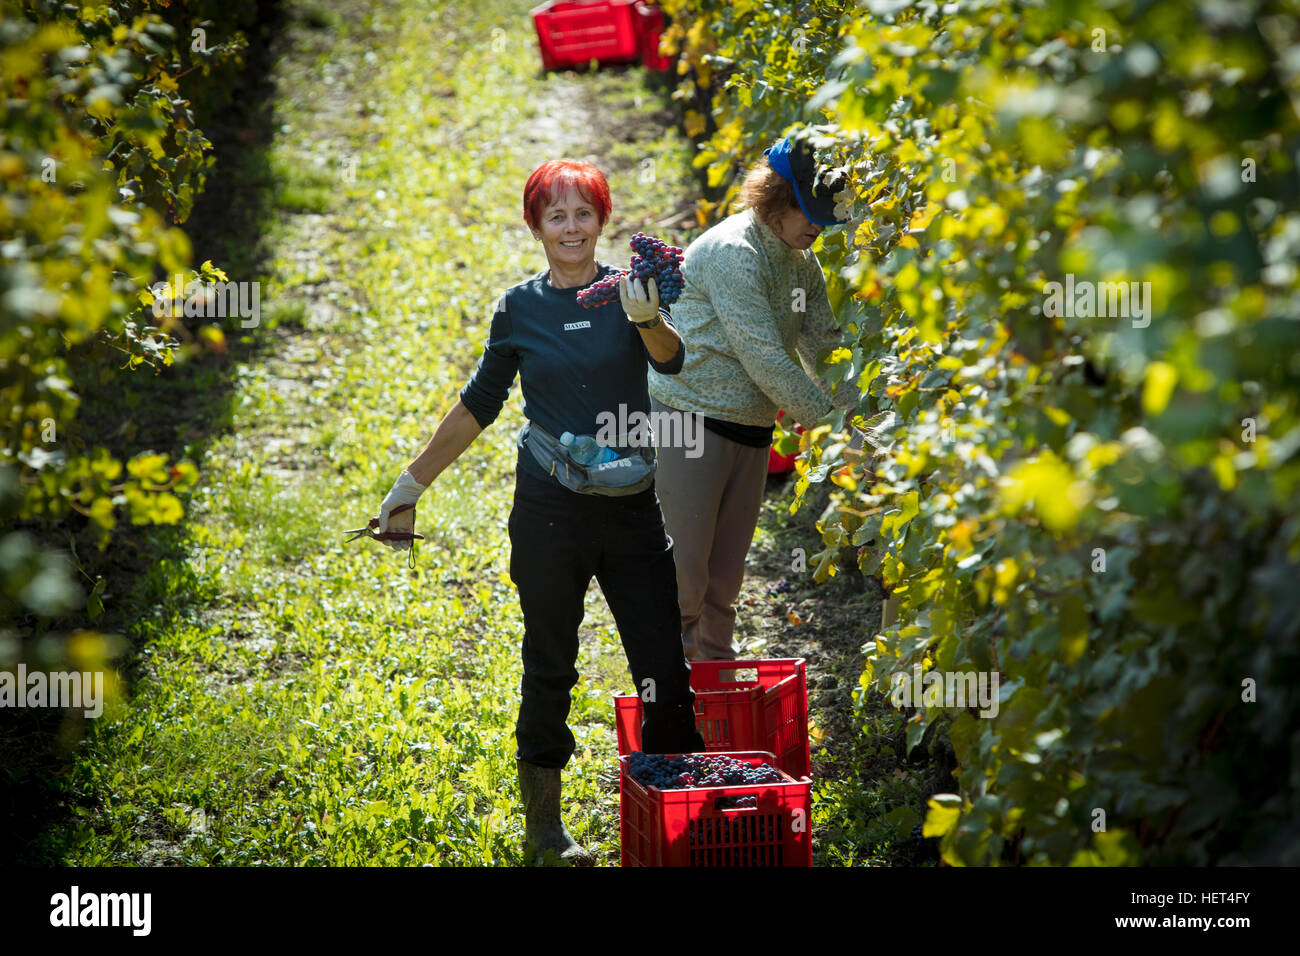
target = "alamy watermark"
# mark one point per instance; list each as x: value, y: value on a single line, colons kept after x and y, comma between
x: 951, y: 689
x: 75, y: 908
x: 1115, y: 300
x: 198, y: 299
x: 638, y: 429
x: 72, y: 690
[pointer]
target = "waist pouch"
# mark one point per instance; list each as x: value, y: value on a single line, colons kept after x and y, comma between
x: 628, y: 475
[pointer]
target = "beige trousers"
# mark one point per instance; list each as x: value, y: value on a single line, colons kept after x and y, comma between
x: 710, y: 505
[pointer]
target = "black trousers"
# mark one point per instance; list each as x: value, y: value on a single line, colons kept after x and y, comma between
x: 559, y: 540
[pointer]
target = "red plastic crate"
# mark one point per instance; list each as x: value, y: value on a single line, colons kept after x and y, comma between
x: 650, y: 24
x: 768, y: 713
x: 782, y: 464
x: 573, y: 32
x: 688, y: 828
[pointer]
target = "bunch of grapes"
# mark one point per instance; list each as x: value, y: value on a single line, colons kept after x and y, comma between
x: 737, y: 803
x: 652, y: 259
x: 656, y: 770
x: 715, y: 770
x: 655, y: 259
x: 601, y: 293
x: 697, y: 770
x: 920, y: 848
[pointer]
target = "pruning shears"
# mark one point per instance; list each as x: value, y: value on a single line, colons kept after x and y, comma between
x: 369, y: 532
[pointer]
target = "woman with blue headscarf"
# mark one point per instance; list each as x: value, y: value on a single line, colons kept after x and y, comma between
x: 755, y: 314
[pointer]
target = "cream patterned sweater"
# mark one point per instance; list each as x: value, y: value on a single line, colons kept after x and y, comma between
x: 749, y: 351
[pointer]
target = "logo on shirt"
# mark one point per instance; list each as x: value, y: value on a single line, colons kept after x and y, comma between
x: 574, y: 326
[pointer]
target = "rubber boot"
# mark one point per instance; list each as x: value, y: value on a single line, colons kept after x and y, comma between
x: 543, y: 828
x: 671, y: 730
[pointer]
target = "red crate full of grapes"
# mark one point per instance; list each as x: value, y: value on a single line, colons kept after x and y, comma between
x: 768, y: 711
x: 574, y: 32
x: 758, y: 824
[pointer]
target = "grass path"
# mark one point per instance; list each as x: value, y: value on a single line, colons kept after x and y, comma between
x: 299, y: 702
x: 303, y: 703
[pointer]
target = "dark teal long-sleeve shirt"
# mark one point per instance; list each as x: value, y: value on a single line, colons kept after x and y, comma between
x: 573, y: 363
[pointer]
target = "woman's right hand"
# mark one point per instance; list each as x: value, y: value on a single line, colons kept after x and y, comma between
x: 400, y: 522
x: 405, y: 491
x: 640, y: 300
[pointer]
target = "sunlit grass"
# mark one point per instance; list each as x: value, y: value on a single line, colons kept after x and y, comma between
x: 309, y: 702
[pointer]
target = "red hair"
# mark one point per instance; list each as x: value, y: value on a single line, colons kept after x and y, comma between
x: 550, y: 180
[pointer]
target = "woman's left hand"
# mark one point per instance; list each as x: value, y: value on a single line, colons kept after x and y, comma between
x: 640, y: 306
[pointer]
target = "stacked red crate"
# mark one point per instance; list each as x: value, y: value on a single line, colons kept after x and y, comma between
x: 575, y: 32
x: 698, y: 826
x: 768, y: 711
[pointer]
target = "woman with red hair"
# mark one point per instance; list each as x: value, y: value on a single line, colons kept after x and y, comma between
x: 573, y: 520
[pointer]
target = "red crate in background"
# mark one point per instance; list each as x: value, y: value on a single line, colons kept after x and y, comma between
x: 768, y: 712
x: 573, y: 32
x: 689, y: 828
x: 650, y: 20
x: 782, y: 464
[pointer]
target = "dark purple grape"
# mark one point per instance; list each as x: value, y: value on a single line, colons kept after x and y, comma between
x: 655, y: 259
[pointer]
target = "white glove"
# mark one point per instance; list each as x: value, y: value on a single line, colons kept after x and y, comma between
x: 405, y: 491
x: 640, y: 301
